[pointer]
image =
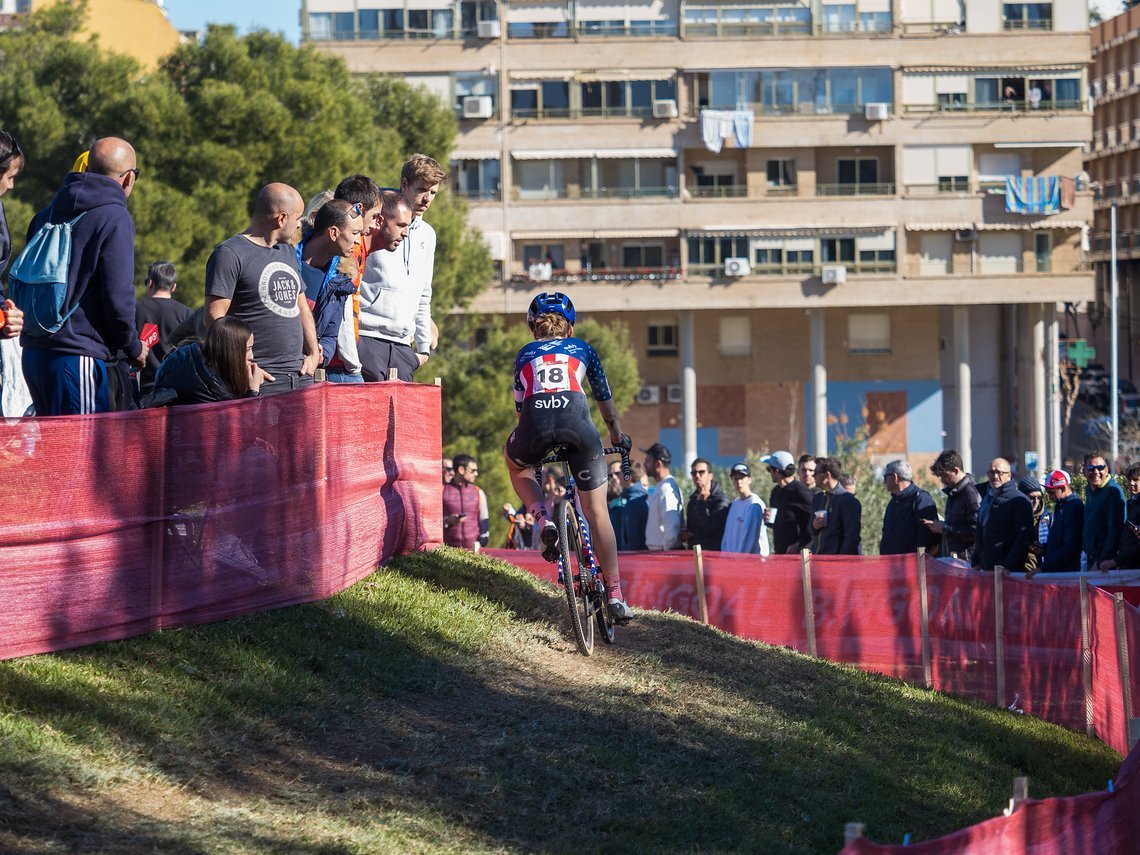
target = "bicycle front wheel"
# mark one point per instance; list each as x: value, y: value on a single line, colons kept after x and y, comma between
x: 569, y: 542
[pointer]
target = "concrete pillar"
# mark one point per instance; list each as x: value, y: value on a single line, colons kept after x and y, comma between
x: 963, y: 432
x: 818, y: 439
x: 1053, y: 346
x: 688, y: 388
x: 1038, y: 364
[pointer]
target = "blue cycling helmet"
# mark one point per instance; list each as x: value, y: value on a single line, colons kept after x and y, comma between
x: 550, y: 303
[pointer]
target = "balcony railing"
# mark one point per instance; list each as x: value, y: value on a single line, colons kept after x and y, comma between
x: 807, y: 108
x: 480, y: 195
x: 609, y: 274
x: 634, y: 29
x: 1021, y: 24
x: 1017, y: 106
x: 803, y: 269
x: 739, y: 29
x: 882, y: 189
x: 726, y: 191
x: 555, y: 30
x: 628, y: 112
x: 942, y: 188
x: 549, y: 194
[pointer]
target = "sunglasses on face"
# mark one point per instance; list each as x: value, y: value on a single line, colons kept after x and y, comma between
x: 997, y: 472
x: 1097, y: 467
x: 697, y: 472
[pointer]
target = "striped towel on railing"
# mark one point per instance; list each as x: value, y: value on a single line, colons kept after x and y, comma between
x: 1032, y: 195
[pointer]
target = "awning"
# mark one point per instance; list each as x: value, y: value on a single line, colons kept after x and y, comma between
x: 789, y: 231
x: 478, y: 154
x: 522, y: 78
x: 603, y: 75
x: 1049, y: 144
x: 999, y: 225
x: 1008, y: 70
x: 595, y: 234
x: 576, y: 153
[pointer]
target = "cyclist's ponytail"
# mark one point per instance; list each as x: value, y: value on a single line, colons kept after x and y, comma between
x: 551, y: 325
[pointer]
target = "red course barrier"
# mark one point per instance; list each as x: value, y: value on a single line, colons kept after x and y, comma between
x: 867, y: 612
x: 123, y: 523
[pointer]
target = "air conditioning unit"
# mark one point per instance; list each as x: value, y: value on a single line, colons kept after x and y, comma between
x: 877, y: 111
x: 477, y: 107
x: 649, y: 395
x: 488, y: 29
x: 665, y: 108
x: 737, y: 267
x: 673, y: 393
x: 834, y: 275
x: 540, y: 271
x: 965, y: 235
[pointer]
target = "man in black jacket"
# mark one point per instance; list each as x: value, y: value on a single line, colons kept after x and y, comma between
x: 960, y: 529
x: 910, y: 507
x: 837, y: 515
x: 1004, y: 526
x: 789, y: 505
x: 707, y: 510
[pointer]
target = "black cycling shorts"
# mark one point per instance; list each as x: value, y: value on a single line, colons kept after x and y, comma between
x: 560, y: 418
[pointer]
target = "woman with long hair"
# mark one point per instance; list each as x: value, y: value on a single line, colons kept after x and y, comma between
x: 219, y: 369
x: 11, y: 163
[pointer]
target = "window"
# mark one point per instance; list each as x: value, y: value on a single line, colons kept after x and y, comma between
x: 711, y: 252
x: 541, y: 179
x: 544, y: 253
x: 837, y: 250
x: 368, y: 24
x: 868, y: 333
x: 320, y: 26
x: 344, y: 26
x: 540, y: 98
x: 781, y: 176
x: 393, y: 21
x: 1043, y: 251
x: 624, y: 97
x: 437, y: 23
x: 735, y: 335
x: 471, y: 12
x: 797, y: 90
x: 477, y: 179
x: 638, y: 255
x: 1028, y: 16
x: 474, y: 84
x: 999, y: 252
x: 857, y: 175
x: 662, y: 338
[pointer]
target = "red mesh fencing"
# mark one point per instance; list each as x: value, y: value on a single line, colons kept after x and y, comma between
x: 867, y: 612
x: 124, y: 523
x: 1103, y: 822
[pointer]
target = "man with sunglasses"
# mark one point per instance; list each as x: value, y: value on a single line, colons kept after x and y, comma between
x: 1104, y: 515
x: 707, y: 511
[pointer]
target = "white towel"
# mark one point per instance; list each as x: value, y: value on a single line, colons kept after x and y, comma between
x: 711, y: 134
x: 742, y: 122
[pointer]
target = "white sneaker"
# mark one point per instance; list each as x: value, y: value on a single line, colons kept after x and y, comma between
x: 620, y: 611
x: 549, y: 539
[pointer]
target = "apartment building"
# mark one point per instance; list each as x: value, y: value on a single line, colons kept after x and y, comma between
x: 136, y: 28
x: 799, y: 208
x: 1114, y: 166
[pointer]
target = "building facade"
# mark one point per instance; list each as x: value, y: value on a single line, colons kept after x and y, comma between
x: 799, y: 208
x: 1114, y: 167
x: 136, y: 28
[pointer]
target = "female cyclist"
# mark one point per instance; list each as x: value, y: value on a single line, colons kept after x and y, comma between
x: 553, y: 410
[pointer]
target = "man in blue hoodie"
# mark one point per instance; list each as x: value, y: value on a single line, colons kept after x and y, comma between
x: 67, y: 372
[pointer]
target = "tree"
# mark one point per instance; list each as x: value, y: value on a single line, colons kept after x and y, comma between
x: 215, y: 123
x: 478, y: 397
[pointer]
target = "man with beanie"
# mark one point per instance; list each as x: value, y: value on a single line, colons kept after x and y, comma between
x: 789, y: 505
x: 1063, y: 546
x: 1042, y: 520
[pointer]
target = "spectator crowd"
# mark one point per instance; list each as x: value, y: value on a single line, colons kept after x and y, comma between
x: 338, y: 290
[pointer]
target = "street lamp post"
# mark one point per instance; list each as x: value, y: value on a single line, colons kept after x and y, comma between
x: 1114, y: 383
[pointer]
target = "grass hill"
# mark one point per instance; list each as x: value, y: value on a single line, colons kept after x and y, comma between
x: 439, y: 706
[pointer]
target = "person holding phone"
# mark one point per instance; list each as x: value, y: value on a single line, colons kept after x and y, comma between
x: 1128, y: 556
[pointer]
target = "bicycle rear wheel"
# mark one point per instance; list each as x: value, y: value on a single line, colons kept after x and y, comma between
x: 596, y: 593
x: 570, y: 544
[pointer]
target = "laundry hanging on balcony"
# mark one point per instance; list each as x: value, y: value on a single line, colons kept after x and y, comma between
x: 1041, y: 195
x: 719, y: 125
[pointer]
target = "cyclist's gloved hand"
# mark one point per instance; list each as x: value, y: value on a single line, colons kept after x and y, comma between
x: 625, y: 443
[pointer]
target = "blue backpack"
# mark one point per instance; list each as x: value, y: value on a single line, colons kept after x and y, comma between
x: 38, y: 279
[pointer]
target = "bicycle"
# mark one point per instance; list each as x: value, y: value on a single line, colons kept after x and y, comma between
x: 578, y: 571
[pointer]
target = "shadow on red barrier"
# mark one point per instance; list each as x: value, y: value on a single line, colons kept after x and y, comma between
x: 124, y: 523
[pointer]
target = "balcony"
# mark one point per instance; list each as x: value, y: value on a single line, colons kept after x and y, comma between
x: 622, y: 29
x: 633, y: 111
x: 1017, y: 106
x: 881, y: 189
x: 479, y: 195
x: 609, y: 274
x: 800, y: 269
x: 550, y: 194
x: 724, y: 191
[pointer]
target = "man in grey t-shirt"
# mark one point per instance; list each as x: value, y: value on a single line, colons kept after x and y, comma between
x: 256, y: 277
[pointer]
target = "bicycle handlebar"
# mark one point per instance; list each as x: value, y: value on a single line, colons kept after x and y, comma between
x: 558, y: 455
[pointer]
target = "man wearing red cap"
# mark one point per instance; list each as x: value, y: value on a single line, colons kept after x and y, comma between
x: 1063, y: 548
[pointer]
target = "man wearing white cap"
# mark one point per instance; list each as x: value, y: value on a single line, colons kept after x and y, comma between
x: 789, y: 505
x: 1063, y: 548
x: 744, y: 530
